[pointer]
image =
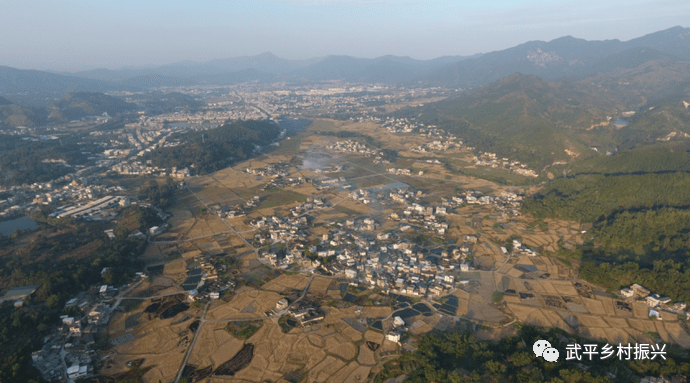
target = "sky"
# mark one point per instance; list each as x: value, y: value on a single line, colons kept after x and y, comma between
x: 73, y: 35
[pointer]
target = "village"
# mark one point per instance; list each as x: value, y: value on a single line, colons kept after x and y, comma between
x: 339, y: 252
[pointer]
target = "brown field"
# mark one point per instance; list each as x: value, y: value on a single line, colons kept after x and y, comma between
x: 556, y: 320
x: 366, y: 356
x: 678, y: 334
x: 214, y: 346
x: 316, y: 370
x: 160, y: 343
x: 287, y: 282
x: 613, y: 336
x: 642, y: 325
x: 594, y: 306
x: 640, y: 310
x: 591, y: 320
x: 608, y: 305
x: 342, y: 374
x: 345, y: 351
x: 376, y: 312
x: 332, y: 350
x: 261, y: 301
x: 564, y: 288
x: 319, y: 285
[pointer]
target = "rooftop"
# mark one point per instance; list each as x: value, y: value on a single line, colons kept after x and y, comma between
x: 20, y: 292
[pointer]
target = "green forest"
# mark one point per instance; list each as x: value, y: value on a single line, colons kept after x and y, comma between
x: 638, y: 203
x: 456, y: 356
x: 206, y: 151
x: 23, y: 161
x: 64, y: 257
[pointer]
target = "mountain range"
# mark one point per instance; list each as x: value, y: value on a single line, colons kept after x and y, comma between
x: 562, y: 58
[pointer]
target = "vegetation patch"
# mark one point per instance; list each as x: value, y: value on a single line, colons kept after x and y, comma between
x: 238, y: 362
x: 244, y: 330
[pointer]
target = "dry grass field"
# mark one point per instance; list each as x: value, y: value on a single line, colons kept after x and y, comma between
x: 287, y: 282
x: 237, y: 308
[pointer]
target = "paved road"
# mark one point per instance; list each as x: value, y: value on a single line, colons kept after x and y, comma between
x: 188, y: 239
x: 191, y: 346
x: 156, y: 296
x: 122, y: 294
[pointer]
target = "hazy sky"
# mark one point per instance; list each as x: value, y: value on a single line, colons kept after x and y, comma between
x: 74, y: 34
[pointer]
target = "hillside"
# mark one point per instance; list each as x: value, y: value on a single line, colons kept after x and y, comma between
x: 210, y: 150
x: 77, y: 105
x: 637, y: 204
x: 12, y: 115
x: 522, y: 117
x: 160, y: 102
x: 542, y: 122
x: 14, y: 81
x: 567, y: 57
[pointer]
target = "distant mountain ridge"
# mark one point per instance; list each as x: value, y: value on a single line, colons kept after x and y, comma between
x: 268, y: 67
x: 563, y: 58
x: 13, y: 81
x: 567, y: 57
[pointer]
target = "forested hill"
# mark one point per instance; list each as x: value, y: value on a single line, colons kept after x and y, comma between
x: 72, y: 106
x: 540, y: 122
x: 638, y: 204
x: 210, y: 150
x: 82, y: 104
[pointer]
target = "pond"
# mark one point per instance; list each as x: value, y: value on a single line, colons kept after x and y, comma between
x: 23, y: 223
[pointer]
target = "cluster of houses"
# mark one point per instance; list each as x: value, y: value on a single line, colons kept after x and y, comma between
x: 306, y: 312
x: 78, y: 186
x: 274, y: 229
x: 400, y: 172
x: 354, y: 147
x: 235, y: 211
x: 655, y: 302
x: 405, y: 195
x: 507, y: 202
x: 284, y: 182
x: 444, y: 140
x: 401, y: 267
x: 380, y: 260
x: 438, y: 146
x: 519, y: 248
x: 491, y: 160
x: 400, y: 125
x: 135, y: 167
x: 95, y: 210
x: 398, y: 195
x: 428, y: 216
x: 409, y: 125
x: 66, y: 349
x: 69, y: 352
x: 148, y: 138
x: 277, y: 170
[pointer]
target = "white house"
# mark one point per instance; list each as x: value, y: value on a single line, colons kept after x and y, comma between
x: 393, y: 337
